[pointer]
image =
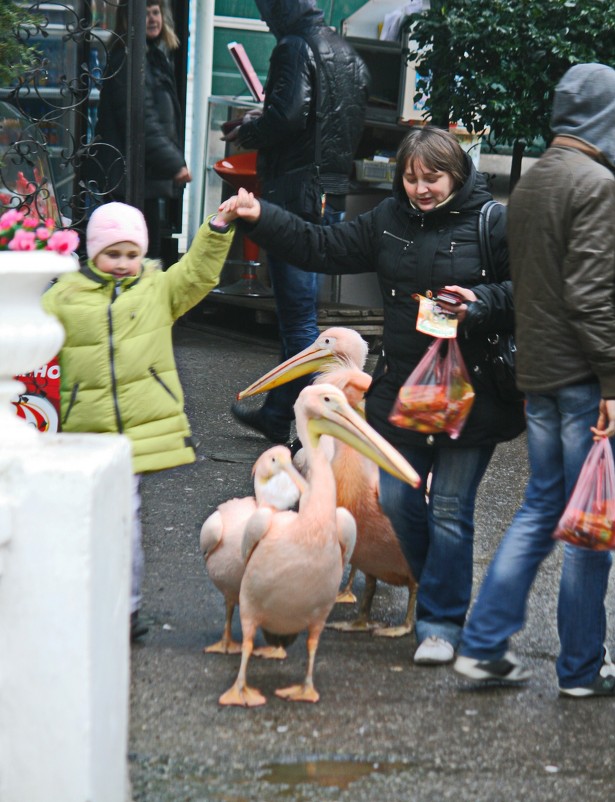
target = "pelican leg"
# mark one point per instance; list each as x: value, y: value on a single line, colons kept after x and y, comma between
x: 240, y: 693
x: 361, y: 623
x: 306, y: 692
x: 226, y: 645
x: 407, y: 627
x: 346, y: 596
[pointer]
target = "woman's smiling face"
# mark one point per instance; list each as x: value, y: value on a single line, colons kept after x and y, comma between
x: 426, y: 188
x: 153, y: 22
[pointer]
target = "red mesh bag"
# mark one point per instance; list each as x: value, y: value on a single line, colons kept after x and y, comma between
x: 589, y: 517
x: 438, y: 395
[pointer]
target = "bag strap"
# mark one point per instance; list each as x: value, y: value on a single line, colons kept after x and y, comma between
x: 484, y: 239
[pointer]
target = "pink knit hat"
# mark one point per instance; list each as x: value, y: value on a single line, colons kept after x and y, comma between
x: 115, y: 222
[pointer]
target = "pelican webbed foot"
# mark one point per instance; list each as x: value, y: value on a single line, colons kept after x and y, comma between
x: 358, y: 625
x: 299, y: 693
x: 223, y: 646
x: 270, y: 652
x: 242, y: 696
x: 393, y: 632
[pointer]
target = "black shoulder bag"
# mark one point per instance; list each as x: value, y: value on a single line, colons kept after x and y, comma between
x: 501, y: 351
x: 300, y: 191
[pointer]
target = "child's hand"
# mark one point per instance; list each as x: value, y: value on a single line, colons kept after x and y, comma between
x: 243, y: 205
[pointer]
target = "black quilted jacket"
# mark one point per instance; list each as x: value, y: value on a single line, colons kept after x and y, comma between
x: 413, y: 252
x: 284, y: 134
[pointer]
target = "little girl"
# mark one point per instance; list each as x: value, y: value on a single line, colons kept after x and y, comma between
x: 118, y: 371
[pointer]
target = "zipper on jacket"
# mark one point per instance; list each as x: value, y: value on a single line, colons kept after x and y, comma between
x: 406, y: 242
x: 163, y: 384
x: 116, y: 406
x: 71, y: 403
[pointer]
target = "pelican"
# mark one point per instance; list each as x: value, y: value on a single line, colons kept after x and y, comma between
x: 277, y: 486
x: 341, y: 353
x: 295, y: 560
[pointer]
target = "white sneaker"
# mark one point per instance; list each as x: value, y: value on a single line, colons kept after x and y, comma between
x: 434, y: 651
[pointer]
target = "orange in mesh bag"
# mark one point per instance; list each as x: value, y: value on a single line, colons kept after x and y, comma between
x: 589, y: 517
x: 438, y: 395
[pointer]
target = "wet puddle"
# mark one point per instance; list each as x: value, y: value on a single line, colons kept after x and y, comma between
x: 326, y: 773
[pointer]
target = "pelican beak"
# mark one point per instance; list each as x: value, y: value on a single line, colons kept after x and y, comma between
x: 310, y: 360
x: 340, y: 420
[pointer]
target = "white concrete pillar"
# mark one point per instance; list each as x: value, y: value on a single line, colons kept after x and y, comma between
x: 65, y: 522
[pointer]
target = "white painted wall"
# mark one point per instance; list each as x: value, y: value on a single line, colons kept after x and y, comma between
x: 65, y: 522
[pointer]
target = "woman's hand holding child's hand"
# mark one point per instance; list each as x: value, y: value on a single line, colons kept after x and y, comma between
x: 243, y: 205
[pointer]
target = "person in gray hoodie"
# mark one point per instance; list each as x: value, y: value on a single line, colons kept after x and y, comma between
x: 561, y: 236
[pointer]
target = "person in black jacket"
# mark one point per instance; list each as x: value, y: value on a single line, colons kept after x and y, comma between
x: 422, y: 238
x: 310, y: 65
x: 165, y: 166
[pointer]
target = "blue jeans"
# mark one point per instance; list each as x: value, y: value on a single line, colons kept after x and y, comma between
x: 559, y: 439
x: 437, y: 538
x: 296, y: 299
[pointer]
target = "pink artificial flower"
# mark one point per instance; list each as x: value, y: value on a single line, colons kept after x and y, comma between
x: 30, y: 222
x: 42, y: 233
x: 11, y: 218
x: 63, y: 242
x: 23, y: 241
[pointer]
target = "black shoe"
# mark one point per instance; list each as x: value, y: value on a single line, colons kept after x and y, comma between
x: 603, y: 685
x: 255, y: 419
x: 137, y: 628
x: 507, y: 669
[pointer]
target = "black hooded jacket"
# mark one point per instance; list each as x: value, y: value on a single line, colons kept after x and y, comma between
x: 412, y: 252
x: 284, y: 134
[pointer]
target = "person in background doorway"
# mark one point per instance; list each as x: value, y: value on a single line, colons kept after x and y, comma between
x: 117, y: 364
x: 309, y: 58
x: 166, y: 171
x: 562, y: 258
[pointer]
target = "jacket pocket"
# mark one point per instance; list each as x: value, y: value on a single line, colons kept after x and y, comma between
x: 71, y: 403
x: 163, y: 384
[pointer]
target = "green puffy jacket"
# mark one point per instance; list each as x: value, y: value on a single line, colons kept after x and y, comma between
x: 118, y: 371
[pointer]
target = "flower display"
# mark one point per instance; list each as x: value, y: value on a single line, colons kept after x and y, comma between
x: 22, y: 232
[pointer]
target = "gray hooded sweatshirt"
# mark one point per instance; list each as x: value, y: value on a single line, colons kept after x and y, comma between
x: 584, y: 107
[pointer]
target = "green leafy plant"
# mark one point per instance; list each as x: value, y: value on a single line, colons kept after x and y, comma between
x: 16, y: 55
x: 495, y: 63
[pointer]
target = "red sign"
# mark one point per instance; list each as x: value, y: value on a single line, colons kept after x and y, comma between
x: 39, y: 404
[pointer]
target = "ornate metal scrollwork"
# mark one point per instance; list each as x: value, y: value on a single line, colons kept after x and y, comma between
x: 47, y: 119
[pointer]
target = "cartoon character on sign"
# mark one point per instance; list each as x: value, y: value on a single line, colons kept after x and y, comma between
x: 38, y: 412
x: 39, y: 404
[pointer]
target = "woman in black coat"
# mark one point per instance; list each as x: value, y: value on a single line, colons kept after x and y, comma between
x: 423, y: 238
x: 165, y: 166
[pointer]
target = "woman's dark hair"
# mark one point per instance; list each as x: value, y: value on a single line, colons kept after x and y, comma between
x: 437, y: 149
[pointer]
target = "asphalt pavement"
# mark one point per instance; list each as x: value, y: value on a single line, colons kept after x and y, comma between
x: 384, y: 729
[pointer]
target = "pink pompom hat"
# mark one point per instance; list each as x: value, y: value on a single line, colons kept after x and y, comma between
x: 115, y: 222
